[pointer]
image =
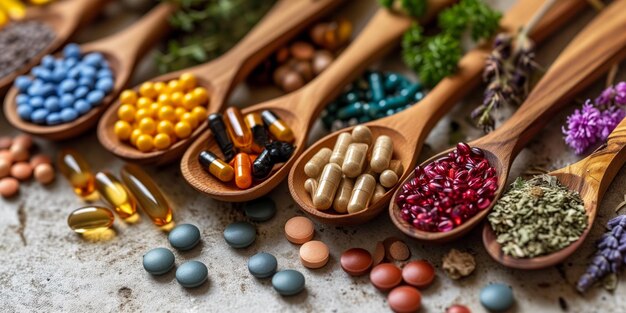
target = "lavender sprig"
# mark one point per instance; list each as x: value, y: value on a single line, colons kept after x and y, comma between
x: 609, y: 257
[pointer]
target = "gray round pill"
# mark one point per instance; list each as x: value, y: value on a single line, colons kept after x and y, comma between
x: 260, y: 210
x: 158, y: 261
x: 192, y: 274
x: 288, y: 282
x: 262, y: 265
x: 240, y: 234
x: 184, y: 236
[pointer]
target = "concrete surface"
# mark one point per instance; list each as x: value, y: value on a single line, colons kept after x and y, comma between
x: 45, y: 267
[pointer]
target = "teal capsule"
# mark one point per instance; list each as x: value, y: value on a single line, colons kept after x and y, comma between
x: 364, y: 119
x: 392, y: 81
x: 387, y: 104
x: 418, y: 96
x: 351, y: 96
x: 332, y: 107
x: 353, y: 110
x: 376, y: 86
x: 327, y: 119
x: 410, y: 91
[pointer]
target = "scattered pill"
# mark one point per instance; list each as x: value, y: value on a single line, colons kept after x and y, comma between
x: 115, y: 194
x: 385, y: 276
x: 262, y: 265
x: 5, y: 167
x: 457, y: 308
x: 260, y: 210
x: 192, y: 274
x: 21, y: 170
x: 184, y: 237
x: 158, y: 261
x: 356, y: 261
x: 44, y: 173
x: 77, y: 171
x: 419, y: 274
x: 147, y: 194
x: 23, y: 140
x: 5, y: 142
x: 19, y: 153
x: 299, y: 230
x: 399, y: 251
x: 496, y: 297
x: 9, y: 187
x: 379, y: 253
x: 39, y: 159
x: 240, y: 234
x: 404, y: 299
x: 314, y: 254
x: 90, y: 218
x: 288, y: 282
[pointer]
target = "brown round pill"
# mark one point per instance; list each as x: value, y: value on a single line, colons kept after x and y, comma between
x: 44, y: 173
x: 299, y: 230
x: 5, y: 142
x: 6, y: 155
x: 302, y: 50
x: 314, y: 254
x: 21, y: 170
x: 318, y: 32
x: 291, y: 81
x: 39, y: 159
x: 5, y: 167
x: 404, y: 299
x: 19, y: 153
x: 321, y: 61
x: 356, y: 261
x: 9, y: 186
x: 282, y: 55
x: 26, y: 141
x: 304, y: 69
x: 399, y: 251
x: 279, y: 74
x: 418, y: 273
x: 379, y: 253
x: 385, y: 276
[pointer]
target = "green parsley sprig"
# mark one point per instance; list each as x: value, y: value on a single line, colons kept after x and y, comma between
x: 414, y: 8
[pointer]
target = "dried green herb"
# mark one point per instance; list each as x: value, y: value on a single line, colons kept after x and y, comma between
x: 537, y: 216
x: 415, y: 8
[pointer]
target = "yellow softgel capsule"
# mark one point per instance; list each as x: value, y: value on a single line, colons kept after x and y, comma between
x: 142, y: 113
x: 134, y: 135
x: 147, y: 194
x: 154, y: 109
x: 201, y: 94
x: 160, y: 87
x: 190, y: 101
x: 174, y: 85
x: 115, y: 194
x: 177, y: 98
x: 144, y: 103
x: 147, y: 126
x: 126, y: 112
x: 122, y: 130
x: 77, y: 171
x: 188, y: 81
x: 165, y: 127
x: 179, y: 112
x: 128, y: 97
x: 147, y: 90
x: 167, y: 113
x: 165, y: 99
x: 200, y: 113
x: 162, y: 141
x: 182, y: 129
x: 190, y: 119
x: 145, y: 143
x: 91, y: 218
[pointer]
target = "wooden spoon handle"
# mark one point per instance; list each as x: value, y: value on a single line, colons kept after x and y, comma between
x: 78, y: 11
x: 599, y: 45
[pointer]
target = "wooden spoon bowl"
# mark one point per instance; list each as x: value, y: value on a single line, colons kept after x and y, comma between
x: 285, y: 20
x: 598, y: 46
x: 123, y: 51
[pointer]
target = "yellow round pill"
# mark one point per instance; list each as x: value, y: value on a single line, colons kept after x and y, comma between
x: 134, y: 135
x: 201, y: 94
x: 179, y: 112
x: 165, y: 99
x: 144, y: 102
x: 144, y: 143
x: 189, y: 101
x: 142, y: 113
x: 128, y: 96
x: 147, y: 126
x: 166, y: 127
x: 162, y: 141
x: 199, y: 113
x: 147, y: 90
x: 160, y: 87
x: 154, y: 109
x: 190, y: 119
x: 126, y: 112
x: 122, y: 130
x: 182, y: 129
x: 177, y: 98
x: 167, y: 113
x: 188, y: 81
x: 174, y: 86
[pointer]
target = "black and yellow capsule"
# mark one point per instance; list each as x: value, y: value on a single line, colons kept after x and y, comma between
x: 218, y: 168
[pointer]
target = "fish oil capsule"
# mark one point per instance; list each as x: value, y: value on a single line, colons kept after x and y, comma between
x: 341, y: 146
x: 77, y: 171
x: 259, y: 134
x: 218, y: 168
x: 237, y: 130
x: 218, y: 128
x: 343, y: 195
x: 388, y: 178
x: 362, y: 134
x: 310, y: 185
x: 362, y: 192
x: 381, y: 154
x: 115, y: 194
x: 262, y: 165
x: 278, y: 128
x: 354, y: 159
x: 90, y: 218
x: 315, y: 165
x: 243, y: 171
x: 397, y: 167
x: 379, y: 192
x: 327, y: 186
x: 147, y: 194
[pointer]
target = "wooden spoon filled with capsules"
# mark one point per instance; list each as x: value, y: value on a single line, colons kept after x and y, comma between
x: 590, y: 177
x: 599, y: 45
x: 284, y: 21
x: 409, y: 128
x: 300, y: 108
x: 65, y: 18
x: 122, y: 51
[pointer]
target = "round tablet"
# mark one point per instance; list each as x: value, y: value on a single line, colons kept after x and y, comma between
x: 404, y: 299
x: 240, y: 234
x: 39, y: 159
x: 260, y: 210
x: 385, y: 276
x: 5, y: 167
x: 356, y: 261
x: 44, y: 173
x: 379, y: 253
x: 21, y: 170
x: 496, y: 297
x: 262, y: 265
x: 192, y: 274
x: 184, y: 236
x: 314, y: 254
x: 399, y: 251
x: 158, y: 261
x: 457, y: 308
x: 299, y: 230
x: 418, y: 273
x: 288, y: 282
x: 5, y: 142
x: 9, y: 187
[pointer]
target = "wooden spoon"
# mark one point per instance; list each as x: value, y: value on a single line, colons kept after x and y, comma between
x: 590, y: 177
x: 598, y: 46
x: 409, y: 129
x: 285, y: 20
x: 64, y: 17
x: 123, y: 51
x: 300, y: 108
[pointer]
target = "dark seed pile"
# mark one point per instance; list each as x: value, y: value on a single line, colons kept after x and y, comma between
x: 21, y: 41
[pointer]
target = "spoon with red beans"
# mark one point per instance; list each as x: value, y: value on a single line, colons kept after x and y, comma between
x: 450, y: 193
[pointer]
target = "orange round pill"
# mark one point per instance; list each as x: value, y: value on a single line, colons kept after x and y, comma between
x: 21, y: 170
x: 418, y: 273
x: 405, y: 299
x: 356, y: 261
x: 19, y: 153
x: 44, y: 173
x: 5, y: 167
x: 299, y: 230
x: 26, y: 141
x: 9, y: 186
x: 6, y: 155
x: 39, y: 159
x: 314, y: 254
x: 385, y: 276
x: 5, y: 142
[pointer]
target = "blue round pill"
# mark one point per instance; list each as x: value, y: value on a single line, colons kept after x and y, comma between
x: 43, y: 73
x: 95, y: 97
x: 58, y: 74
x: 86, y: 81
x: 52, y: 104
x: 71, y: 50
x: 93, y: 59
x: 70, y: 62
x: 68, y: 114
x: 67, y: 100
x: 496, y: 297
x: 104, y: 72
x: 240, y: 234
x: 24, y: 112
x: 22, y: 83
x: 48, y: 89
x: 288, y: 282
x: 262, y: 265
x: 35, y: 90
x: 53, y: 118
x: 260, y: 210
x: 39, y: 116
x: 67, y: 85
x: 158, y: 261
x: 105, y: 84
x: 81, y: 106
x: 192, y: 274
x: 36, y: 102
x: 22, y: 99
x: 48, y: 61
x: 74, y: 73
x: 87, y: 71
x: 184, y: 236
x: 81, y: 92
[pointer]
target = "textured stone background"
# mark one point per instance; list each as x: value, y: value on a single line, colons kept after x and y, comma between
x: 45, y: 267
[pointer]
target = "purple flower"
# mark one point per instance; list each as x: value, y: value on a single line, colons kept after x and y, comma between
x: 583, y: 127
x: 606, y: 97
x: 609, y: 120
x: 620, y: 93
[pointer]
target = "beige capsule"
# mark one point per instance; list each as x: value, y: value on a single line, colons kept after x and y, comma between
x: 397, y: 167
x: 310, y: 185
x: 362, y: 134
x: 343, y: 195
x: 315, y: 165
x: 379, y: 192
x: 355, y: 158
x: 362, y: 193
x: 381, y: 154
x: 368, y: 170
x: 327, y: 186
x: 388, y: 178
x: 341, y: 146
